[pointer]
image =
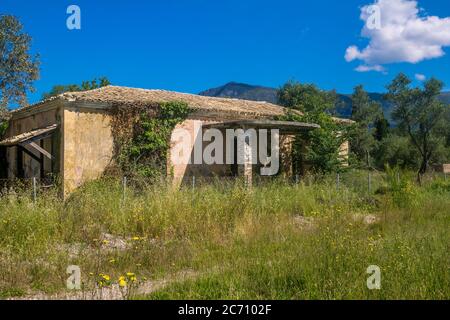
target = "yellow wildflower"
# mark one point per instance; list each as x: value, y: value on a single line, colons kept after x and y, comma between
x: 105, y: 276
x: 131, y: 276
x: 122, y: 281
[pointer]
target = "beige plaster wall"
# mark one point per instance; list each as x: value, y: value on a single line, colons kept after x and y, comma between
x: 446, y: 168
x: 88, y: 146
x: 185, y: 171
x: 344, y: 153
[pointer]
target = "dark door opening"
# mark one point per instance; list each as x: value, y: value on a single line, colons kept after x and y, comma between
x: 3, y: 163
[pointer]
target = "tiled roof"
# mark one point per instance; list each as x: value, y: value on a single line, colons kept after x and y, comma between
x: 130, y: 96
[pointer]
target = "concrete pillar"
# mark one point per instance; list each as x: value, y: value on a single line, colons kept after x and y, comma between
x: 245, y: 169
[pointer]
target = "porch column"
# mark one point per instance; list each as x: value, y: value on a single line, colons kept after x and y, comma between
x: 245, y: 167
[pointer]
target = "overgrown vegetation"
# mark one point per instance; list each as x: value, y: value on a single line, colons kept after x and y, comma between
x: 275, y: 241
x: 419, y: 138
x: 142, y: 137
x: 3, y: 128
x: 318, y: 148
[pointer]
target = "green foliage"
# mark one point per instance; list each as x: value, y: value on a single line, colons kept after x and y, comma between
x: 404, y: 192
x: 447, y: 131
x: 18, y: 68
x: 440, y: 186
x: 382, y: 128
x: 306, y: 98
x: 419, y: 115
x: 396, y: 150
x: 364, y: 112
x: 3, y: 128
x: 319, y: 147
x: 85, y: 86
x: 145, y: 154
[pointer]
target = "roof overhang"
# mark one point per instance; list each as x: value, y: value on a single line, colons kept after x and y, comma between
x: 28, y: 137
x: 285, y: 127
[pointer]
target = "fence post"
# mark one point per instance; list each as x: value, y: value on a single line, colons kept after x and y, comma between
x: 124, y: 189
x: 296, y: 179
x: 34, y: 189
x: 369, y: 182
x: 193, y: 182
x: 398, y: 177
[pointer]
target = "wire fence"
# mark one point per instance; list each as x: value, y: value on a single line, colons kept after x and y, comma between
x: 367, y: 182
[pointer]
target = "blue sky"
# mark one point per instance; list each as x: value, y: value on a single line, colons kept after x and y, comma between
x: 194, y: 45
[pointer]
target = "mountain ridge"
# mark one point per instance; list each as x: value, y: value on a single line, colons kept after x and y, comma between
x: 261, y: 93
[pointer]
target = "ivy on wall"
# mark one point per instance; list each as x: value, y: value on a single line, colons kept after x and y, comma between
x: 142, y: 137
x: 3, y: 128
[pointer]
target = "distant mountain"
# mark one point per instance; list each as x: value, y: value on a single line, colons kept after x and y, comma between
x: 344, y: 107
x: 445, y: 97
x: 243, y: 91
x: 260, y: 93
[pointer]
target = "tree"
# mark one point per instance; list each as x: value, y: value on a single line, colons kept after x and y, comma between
x: 382, y: 128
x: 365, y: 113
x: 419, y: 115
x: 319, y: 147
x: 18, y: 68
x: 306, y: 98
x: 396, y: 151
x: 447, y: 127
x: 85, y: 86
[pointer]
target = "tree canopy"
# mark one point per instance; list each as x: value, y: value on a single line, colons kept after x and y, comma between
x: 321, y: 151
x: 419, y: 115
x: 85, y: 85
x: 18, y: 67
x: 367, y: 114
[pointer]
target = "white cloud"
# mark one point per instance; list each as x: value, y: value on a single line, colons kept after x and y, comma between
x: 420, y: 77
x: 404, y: 36
x: 366, y: 68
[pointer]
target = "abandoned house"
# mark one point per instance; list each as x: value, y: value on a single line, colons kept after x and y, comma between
x: 70, y: 136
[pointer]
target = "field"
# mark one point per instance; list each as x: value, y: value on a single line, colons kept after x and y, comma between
x: 221, y: 240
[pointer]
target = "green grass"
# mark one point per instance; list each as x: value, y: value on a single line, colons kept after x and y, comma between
x: 275, y: 241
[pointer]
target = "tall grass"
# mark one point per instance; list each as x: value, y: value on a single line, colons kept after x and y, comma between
x: 274, y: 241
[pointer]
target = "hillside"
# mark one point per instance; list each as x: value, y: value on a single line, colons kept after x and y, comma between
x: 243, y: 91
x: 260, y: 93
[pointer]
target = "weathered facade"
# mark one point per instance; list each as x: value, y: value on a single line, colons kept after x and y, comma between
x: 444, y: 168
x: 70, y: 136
